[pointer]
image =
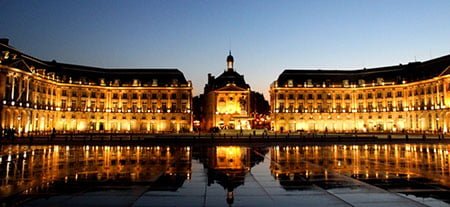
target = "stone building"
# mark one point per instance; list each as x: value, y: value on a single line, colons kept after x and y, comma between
x: 226, y: 101
x: 39, y: 95
x: 411, y: 97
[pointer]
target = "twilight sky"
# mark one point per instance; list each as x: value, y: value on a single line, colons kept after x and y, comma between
x: 265, y: 37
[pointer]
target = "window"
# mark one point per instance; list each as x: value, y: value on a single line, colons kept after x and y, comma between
x: 280, y: 96
x: 154, y: 96
x: 338, y: 96
x: 399, y: 94
x: 310, y: 96
x: 93, y: 95
x: 347, y: 96
x: 164, y: 96
x: 300, y: 96
x: 291, y: 107
x: 389, y: 94
x: 144, y: 96
x: 291, y: 96
x: 144, y: 107
x: 115, y: 96
x: 379, y: 105
x: 63, y: 104
x: 281, y: 109
x: 319, y: 96
x: 184, y: 96
x: 173, y: 96
x: 400, y: 105
x: 369, y: 95
x: 135, y: 96
x: 64, y: 93
x: 379, y: 95
x: 124, y: 96
x: 360, y: 96
x: 173, y: 107
x: 164, y: 107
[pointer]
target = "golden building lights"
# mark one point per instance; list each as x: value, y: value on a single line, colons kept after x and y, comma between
x: 410, y: 97
x: 39, y: 96
x: 227, y: 100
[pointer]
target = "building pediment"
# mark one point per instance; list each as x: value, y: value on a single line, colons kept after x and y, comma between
x: 231, y: 87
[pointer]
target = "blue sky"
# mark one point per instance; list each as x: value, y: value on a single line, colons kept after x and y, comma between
x: 265, y: 36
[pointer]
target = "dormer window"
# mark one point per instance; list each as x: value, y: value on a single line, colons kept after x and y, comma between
x: 345, y: 83
x: 290, y: 83
x: 135, y: 82
x: 380, y: 81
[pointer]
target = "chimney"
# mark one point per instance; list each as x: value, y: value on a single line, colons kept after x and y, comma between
x: 210, y: 78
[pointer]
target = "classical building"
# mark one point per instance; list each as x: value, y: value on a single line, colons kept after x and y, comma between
x: 411, y: 97
x: 226, y: 101
x: 39, y: 95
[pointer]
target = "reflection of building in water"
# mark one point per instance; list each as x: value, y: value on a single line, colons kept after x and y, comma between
x: 228, y: 165
x: 362, y: 161
x: 24, y: 168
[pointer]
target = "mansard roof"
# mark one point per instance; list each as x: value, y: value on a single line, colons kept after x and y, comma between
x: 164, y: 77
x: 410, y: 72
x: 230, y: 77
x: 90, y: 74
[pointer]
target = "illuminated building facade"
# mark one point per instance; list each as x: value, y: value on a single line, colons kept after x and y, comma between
x: 227, y: 100
x: 39, y: 95
x: 412, y: 97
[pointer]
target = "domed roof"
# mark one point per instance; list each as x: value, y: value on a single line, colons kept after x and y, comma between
x: 230, y: 57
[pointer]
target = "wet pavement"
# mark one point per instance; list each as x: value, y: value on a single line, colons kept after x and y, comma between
x: 330, y: 175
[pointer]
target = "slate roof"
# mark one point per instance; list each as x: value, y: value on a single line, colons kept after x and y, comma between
x: 411, y: 72
x: 92, y: 74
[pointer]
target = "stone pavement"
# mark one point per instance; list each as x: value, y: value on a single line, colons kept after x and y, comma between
x: 260, y: 188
